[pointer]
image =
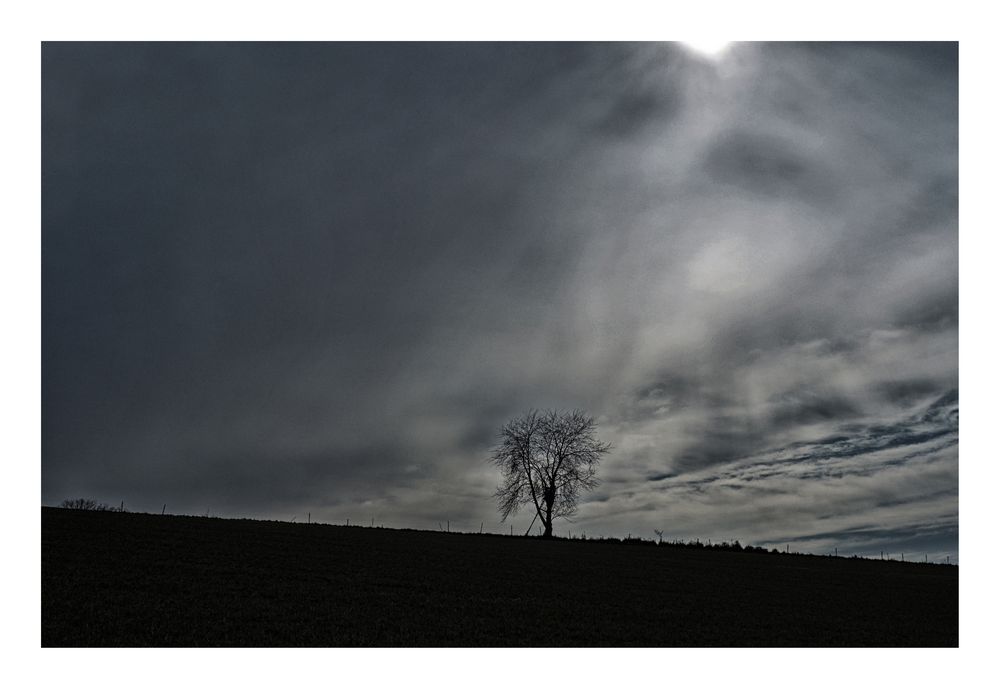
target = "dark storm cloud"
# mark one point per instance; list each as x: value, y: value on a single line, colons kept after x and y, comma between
x: 906, y: 392
x: 802, y: 407
x: 281, y: 278
x: 723, y: 439
x: 630, y: 112
x: 770, y: 166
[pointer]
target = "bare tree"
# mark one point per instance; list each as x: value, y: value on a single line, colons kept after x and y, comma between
x: 546, y: 459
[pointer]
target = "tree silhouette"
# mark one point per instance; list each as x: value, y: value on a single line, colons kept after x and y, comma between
x: 546, y: 459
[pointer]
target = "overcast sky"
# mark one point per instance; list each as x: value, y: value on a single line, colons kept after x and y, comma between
x: 291, y: 278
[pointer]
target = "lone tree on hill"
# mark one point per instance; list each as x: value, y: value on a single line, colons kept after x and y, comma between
x: 546, y: 459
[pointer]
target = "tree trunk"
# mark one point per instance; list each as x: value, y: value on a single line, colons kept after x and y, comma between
x: 550, y: 498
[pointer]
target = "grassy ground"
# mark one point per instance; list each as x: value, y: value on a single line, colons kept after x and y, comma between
x: 111, y: 579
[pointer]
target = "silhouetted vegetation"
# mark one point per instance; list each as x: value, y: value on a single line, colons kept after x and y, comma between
x: 150, y: 580
x: 88, y: 504
x: 546, y: 459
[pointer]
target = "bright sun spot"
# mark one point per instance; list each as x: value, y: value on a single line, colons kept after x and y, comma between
x: 710, y: 49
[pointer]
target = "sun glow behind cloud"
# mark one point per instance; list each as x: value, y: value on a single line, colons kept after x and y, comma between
x: 709, y: 48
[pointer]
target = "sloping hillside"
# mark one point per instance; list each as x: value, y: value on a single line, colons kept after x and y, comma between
x: 149, y: 580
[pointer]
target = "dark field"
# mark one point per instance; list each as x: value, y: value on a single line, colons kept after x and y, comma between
x: 112, y: 579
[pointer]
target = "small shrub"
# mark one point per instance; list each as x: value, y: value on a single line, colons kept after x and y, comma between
x: 87, y: 504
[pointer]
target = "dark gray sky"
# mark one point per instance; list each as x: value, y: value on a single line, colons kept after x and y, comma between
x: 290, y: 278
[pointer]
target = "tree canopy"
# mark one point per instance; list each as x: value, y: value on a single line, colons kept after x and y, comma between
x: 546, y: 460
